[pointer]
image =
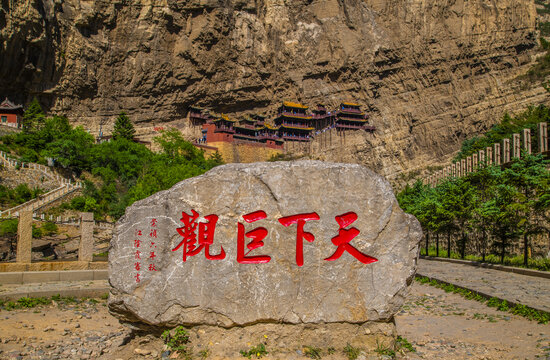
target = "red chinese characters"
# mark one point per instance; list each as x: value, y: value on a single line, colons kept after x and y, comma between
x: 205, y: 236
x: 200, y: 235
x: 257, y: 235
x: 137, y: 255
x: 345, y: 236
x: 300, y: 233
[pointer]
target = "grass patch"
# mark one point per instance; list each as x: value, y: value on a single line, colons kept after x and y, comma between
x: 312, y: 352
x: 501, y: 305
x: 258, y: 351
x: 351, y: 352
x: 31, y: 302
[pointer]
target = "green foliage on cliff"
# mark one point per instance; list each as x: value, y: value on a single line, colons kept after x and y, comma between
x: 128, y: 171
x: 508, y: 126
x: 21, y: 194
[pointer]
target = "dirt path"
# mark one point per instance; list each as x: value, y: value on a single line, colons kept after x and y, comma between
x: 443, y: 325
x: 439, y: 325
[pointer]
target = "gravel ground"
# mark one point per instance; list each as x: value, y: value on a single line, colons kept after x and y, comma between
x: 437, y: 324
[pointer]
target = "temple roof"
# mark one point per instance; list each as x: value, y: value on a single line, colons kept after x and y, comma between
x: 294, y: 105
x: 8, y: 105
x: 304, y: 117
x: 224, y: 117
x: 350, y: 104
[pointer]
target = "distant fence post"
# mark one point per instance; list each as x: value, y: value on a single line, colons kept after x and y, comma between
x: 482, y: 158
x: 516, y: 146
x: 527, y: 141
x: 543, y: 137
x: 496, y: 148
x: 24, y: 237
x: 86, y: 248
x: 505, y: 151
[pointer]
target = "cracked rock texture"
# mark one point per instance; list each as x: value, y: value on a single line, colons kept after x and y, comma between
x: 431, y: 73
x: 227, y: 293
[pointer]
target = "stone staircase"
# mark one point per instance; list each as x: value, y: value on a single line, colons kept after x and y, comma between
x: 66, y: 186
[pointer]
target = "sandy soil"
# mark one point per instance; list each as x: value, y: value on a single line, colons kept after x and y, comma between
x: 437, y: 324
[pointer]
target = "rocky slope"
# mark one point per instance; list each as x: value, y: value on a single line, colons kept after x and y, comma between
x: 430, y: 72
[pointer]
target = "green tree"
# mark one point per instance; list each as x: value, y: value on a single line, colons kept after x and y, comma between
x: 33, y: 117
x: 123, y: 127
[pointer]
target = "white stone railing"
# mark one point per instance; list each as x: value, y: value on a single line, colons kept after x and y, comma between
x: 42, y: 200
x: 70, y: 221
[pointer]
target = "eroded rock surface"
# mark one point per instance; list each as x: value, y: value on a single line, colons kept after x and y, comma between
x: 429, y: 73
x: 228, y: 293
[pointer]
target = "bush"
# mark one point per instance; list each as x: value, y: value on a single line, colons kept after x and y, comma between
x: 49, y: 228
x: 8, y: 227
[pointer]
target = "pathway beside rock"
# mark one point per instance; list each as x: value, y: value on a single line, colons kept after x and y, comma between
x: 527, y: 290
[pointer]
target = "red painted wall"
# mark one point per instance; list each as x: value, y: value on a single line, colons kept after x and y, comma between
x: 12, y: 118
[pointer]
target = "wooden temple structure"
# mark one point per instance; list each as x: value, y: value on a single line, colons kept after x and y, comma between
x: 11, y: 114
x: 293, y: 122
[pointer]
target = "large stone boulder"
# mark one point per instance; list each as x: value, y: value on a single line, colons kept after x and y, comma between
x: 353, y: 262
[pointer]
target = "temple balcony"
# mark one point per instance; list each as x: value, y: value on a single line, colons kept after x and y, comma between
x: 268, y: 137
x: 297, y: 125
x: 357, y: 119
x: 290, y: 137
x: 298, y: 115
x: 224, y: 129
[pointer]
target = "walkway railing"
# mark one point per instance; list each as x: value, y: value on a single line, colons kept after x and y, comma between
x: 41, y: 200
x: 499, y: 154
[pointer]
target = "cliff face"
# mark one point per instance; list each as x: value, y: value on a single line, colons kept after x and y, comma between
x: 430, y: 72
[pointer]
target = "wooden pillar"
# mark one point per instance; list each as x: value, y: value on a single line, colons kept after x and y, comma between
x: 489, y: 151
x: 527, y: 140
x: 543, y: 137
x: 516, y: 146
x: 86, y: 247
x: 24, y: 237
x: 463, y: 167
x: 474, y: 162
x: 497, y: 153
x: 505, y: 151
x: 468, y: 164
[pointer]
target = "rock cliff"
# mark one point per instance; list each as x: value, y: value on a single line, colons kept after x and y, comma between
x: 430, y: 72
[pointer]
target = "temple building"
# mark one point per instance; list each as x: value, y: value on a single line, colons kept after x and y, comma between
x: 294, y: 123
x: 322, y: 118
x: 350, y: 116
x: 11, y: 114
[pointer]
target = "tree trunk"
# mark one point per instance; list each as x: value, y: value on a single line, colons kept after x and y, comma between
x: 427, y: 239
x: 437, y: 244
x: 463, y: 250
x: 525, y: 250
x: 449, y: 244
x: 483, y: 246
x: 503, y: 241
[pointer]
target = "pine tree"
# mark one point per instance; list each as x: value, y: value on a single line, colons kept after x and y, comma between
x: 34, y: 117
x: 123, y: 127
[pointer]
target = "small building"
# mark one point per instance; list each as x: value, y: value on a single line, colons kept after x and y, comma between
x: 323, y: 118
x: 11, y: 114
x: 350, y: 117
x: 294, y: 123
